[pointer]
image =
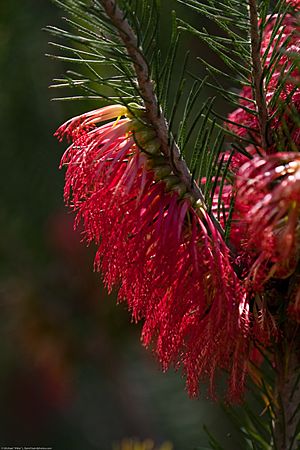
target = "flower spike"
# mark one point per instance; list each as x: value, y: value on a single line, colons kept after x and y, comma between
x: 274, y: 181
x: 158, y: 245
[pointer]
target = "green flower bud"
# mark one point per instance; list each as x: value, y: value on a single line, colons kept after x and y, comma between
x: 180, y: 188
x: 171, y: 181
x: 144, y: 136
x: 162, y: 171
x: 157, y: 160
x: 137, y: 126
x: 153, y: 146
x: 147, y: 141
x: 135, y: 110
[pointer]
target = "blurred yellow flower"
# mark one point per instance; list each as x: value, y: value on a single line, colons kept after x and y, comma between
x: 148, y: 444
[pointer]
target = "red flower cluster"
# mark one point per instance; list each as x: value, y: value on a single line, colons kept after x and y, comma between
x: 266, y: 214
x: 274, y: 182
x: 294, y: 3
x: 162, y: 249
x: 277, y: 53
x: 158, y: 246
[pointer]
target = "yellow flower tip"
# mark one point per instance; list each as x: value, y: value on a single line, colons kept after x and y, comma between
x: 106, y: 113
x: 134, y: 110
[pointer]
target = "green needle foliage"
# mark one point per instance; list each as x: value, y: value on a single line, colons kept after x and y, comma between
x: 91, y: 41
x: 106, y: 71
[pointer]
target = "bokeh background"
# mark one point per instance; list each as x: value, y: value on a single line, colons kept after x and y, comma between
x: 72, y: 372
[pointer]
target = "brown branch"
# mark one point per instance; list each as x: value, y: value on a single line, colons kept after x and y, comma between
x: 287, y: 391
x: 257, y: 74
x: 153, y: 112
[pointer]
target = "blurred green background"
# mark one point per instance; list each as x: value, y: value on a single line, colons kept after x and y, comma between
x: 73, y: 373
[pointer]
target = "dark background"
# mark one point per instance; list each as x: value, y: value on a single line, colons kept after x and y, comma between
x: 73, y: 374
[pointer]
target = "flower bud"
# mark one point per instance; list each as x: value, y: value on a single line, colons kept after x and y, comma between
x: 171, y: 181
x: 162, y: 171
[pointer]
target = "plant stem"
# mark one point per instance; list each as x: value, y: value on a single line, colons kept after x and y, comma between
x: 153, y: 112
x: 287, y: 398
x: 257, y: 74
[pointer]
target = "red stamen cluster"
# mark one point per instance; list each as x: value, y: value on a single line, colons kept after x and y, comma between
x: 277, y: 55
x: 265, y: 218
x: 294, y: 3
x: 272, y: 219
x: 163, y: 251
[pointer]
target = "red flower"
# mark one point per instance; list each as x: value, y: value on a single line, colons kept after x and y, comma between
x: 255, y: 232
x: 294, y: 3
x: 268, y: 201
x: 281, y: 72
x: 162, y: 250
